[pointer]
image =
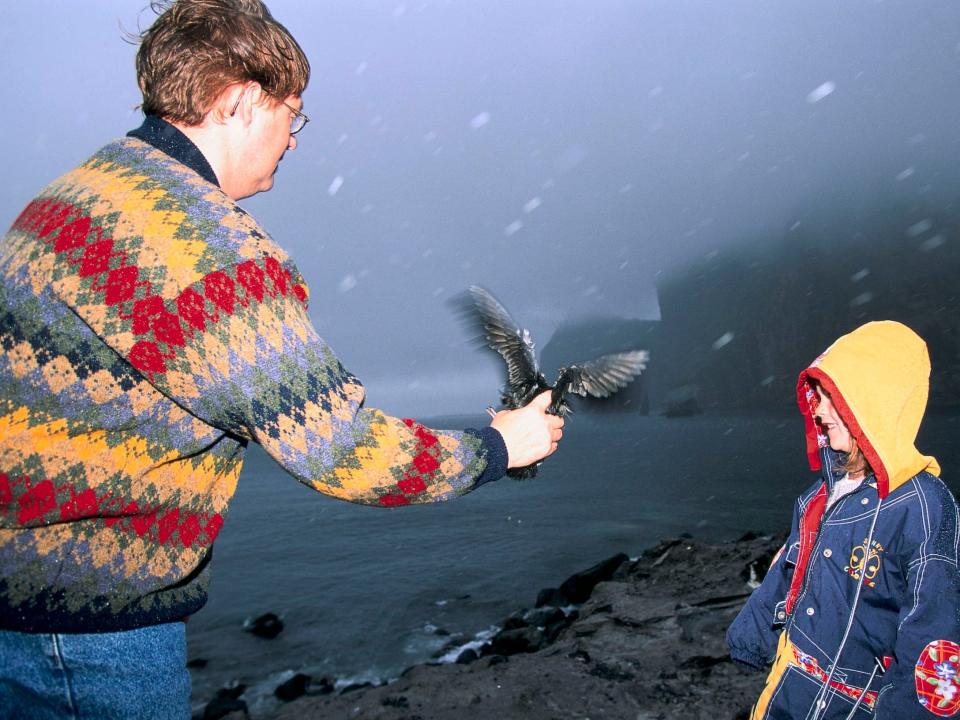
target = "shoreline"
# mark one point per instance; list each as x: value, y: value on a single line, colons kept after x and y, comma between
x: 629, y: 637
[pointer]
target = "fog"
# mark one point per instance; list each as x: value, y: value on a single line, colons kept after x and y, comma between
x: 563, y: 154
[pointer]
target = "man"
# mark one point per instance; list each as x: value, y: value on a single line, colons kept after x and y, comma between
x: 149, y: 330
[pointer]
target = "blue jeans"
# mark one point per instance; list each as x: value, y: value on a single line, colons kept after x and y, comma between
x: 133, y: 674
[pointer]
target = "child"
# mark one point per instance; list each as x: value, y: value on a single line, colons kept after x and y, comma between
x: 860, y: 611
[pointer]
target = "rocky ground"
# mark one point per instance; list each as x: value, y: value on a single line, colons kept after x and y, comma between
x: 635, y: 639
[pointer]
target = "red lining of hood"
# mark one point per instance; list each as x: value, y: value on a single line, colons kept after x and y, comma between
x: 849, y: 419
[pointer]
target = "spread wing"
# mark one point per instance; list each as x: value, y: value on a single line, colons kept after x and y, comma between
x: 607, y: 374
x: 503, y: 334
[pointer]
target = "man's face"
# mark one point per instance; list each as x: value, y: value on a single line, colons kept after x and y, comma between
x: 264, y: 145
x: 829, y: 420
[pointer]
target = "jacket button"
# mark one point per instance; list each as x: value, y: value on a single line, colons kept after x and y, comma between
x: 865, y: 501
x: 781, y: 615
x: 828, y: 552
x: 810, y: 611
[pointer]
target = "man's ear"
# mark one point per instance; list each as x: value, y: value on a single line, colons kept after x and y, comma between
x: 237, y: 102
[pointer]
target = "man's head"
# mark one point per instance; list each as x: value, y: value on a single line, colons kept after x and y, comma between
x: 196, y: 49
x: 230, y: 77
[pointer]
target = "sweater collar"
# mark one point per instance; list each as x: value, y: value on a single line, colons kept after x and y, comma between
x: 165, y: 137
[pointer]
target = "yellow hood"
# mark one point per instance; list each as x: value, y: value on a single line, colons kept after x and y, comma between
x: 878, y: 378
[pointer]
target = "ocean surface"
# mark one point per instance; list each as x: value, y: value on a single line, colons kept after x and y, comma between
x: 365, y: 592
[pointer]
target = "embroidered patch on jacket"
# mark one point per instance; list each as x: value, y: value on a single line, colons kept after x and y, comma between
x: 865, y: 564
x: 936, y: 678
x: 811, y: 667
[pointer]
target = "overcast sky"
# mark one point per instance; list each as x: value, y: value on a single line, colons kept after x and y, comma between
x: 561, y: 153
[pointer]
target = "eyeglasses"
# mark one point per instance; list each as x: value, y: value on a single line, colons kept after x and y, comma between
x: 297, y: 122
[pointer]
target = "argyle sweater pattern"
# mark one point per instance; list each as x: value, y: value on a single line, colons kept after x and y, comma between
x: 149, y: 329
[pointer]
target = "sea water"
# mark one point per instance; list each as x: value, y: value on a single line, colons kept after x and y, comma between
x: 365, y: 592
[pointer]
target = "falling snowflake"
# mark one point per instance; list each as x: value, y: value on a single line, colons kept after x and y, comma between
x: 919, y: 228
x: 904, y: 174
x: 531, y: 205
x: 933, y: 243
x: 361, y: 68
x: 820, y: 92
x: 512, y: 228
x: 571, y: 157
x: 723, y: 340
x: 861, y: 299
x: 480, y: 120
x: 860, y: 275
x: 335, y: 185
x: 348, y: 283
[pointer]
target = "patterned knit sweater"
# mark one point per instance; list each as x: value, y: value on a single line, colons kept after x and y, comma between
x: 149, y: 329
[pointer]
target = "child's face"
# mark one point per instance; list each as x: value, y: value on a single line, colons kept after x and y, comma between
x: 830, y: 422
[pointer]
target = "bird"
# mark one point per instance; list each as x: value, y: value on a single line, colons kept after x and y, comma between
x: 599, y: 378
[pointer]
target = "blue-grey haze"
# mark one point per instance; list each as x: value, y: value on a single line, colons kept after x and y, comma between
x: 564, y: 153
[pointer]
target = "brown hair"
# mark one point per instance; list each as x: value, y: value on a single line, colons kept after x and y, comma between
x: 856, y: 461
x: 196, y: 48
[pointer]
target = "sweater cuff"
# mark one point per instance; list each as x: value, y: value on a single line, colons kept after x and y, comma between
x: 494, y: 450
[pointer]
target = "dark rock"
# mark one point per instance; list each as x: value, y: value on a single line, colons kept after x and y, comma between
x: 231, y: 691
x: 220, y: 707
x: 293, y: 688
x: 683, y: 401
x: 550, y: 596
x: 356, y: 686
x: 580, y: 655
x: 684, y: 408
x: 515, y: 621
x: 266, y: 626
x: 702, y: 662
x: 518, y: 640
x: 552, y: 631
x: 398, y: 702
x: 609, y: 672
x: 542, y: 617
x: 577, y: 587
x: 197, y: 663
x: 467, y: 657
x: 496, y: 660
x: 323, y: 686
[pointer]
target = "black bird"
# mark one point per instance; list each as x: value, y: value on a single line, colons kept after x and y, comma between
x: 600, y: 377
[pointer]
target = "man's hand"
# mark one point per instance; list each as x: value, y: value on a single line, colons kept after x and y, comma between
x: 529, y: 433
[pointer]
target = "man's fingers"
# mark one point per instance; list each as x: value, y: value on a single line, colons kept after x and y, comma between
x: 542, y: 401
